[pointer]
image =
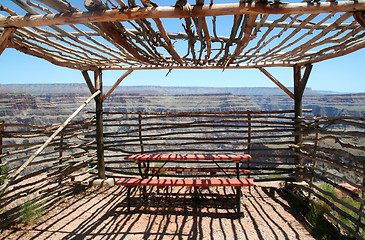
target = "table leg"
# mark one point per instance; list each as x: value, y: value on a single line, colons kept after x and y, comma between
x: 128, y: 199
x: 238, y: 170
x: 238, y: 200
x: 147, y: 169
x: 140, y: 170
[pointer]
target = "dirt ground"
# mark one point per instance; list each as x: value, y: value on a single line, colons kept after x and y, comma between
x: 102, y: 214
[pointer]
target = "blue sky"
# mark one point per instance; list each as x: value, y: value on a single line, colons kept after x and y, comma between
x: 344, y: 74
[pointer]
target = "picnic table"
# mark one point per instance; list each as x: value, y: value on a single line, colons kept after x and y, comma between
x: 165, y: 158
x: 144, y: 161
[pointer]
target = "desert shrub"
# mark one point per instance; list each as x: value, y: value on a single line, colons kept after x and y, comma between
x: 3, y: 174
x: 159, y: 165
x: 328, y: 188
x: 344, y: 219
x: 31, y: 212
x: 320, y: 227
x: 326, y: 208
x: 315, y: 222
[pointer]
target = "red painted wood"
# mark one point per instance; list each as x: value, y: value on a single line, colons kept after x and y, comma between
x: 180, y: 170
x: 132, y: 182
x: 171, y: 157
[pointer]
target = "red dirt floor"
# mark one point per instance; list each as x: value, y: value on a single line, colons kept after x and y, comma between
x: 102, y: 214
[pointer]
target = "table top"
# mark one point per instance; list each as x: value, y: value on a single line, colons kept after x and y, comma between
x: 178, y: 157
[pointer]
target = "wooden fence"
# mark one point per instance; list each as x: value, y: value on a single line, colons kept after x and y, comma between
x: 266, y: 135
x: 332, y: 150
x: 334, y: 171
x: 56, y: 173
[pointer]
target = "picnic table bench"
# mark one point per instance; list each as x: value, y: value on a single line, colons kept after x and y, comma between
x: 212, y: 171
x: 147, y: 180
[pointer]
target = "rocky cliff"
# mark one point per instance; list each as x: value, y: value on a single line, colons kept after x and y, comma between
x: 53, y: 107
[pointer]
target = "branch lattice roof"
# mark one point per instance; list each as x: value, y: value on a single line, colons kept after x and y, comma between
x: 117, y: 34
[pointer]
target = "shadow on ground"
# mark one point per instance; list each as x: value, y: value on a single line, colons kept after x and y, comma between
x: 102, y: 214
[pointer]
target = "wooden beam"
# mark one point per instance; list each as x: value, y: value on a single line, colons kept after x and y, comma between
x: 33, y: 49
x: 5, y: 38
x: 343, y: 51
x: 88, y: 81
x: 119, y: 39
x: 250, y: 20
x: 59, y: 5
x: 170, y: 47
x: 172, y: 12
x: 218, y: 38
x: 360, y: 18
x: 155, y: 67
x: 308, y: 69
x: 208, y: 40
x: 281, y: 86
x: 121, y: 3
x: 116, y: 84
x: 99, y: 124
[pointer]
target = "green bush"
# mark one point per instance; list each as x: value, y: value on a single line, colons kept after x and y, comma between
x: 159, y: 165
x: 320, y: 227
x: 344, y: 219
x: 3, y: 171
x: 329, y: 188
x: 31, y: 212
x: 315, y: 222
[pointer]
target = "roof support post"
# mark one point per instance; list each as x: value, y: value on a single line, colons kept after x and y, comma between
x: 360, y: 18
x: 1, y: 138
x: 116, y: 84
x: 5, y: 38
x: 299, y: 87
x: 88, y: 81
x: 99, y: 124
x: 274, y: 80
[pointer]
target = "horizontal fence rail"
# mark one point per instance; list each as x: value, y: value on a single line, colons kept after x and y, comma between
x: 266, y: 135
x: 333, y: 150
x: 53, y: 175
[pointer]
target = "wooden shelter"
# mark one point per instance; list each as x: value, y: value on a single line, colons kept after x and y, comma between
x: 100, y: 35
x: 114, y: 35
x: 141, y: 35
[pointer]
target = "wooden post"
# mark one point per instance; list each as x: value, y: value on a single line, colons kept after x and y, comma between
x: 60, y: 161
x: 298, y: 109
x: 362, y: 205
x: 1, y: 138
x: 140, y: 131
x: 299, y: 87
x: 99, y: 123
x: 248, y: 138
x: 141, y: 143
x: 315, y: 150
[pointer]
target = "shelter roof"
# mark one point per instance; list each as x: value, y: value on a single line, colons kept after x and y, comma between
x: 141, y: 34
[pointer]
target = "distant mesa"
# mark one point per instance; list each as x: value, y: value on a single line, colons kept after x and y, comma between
x: 43, y: 104
x: 81, y: 88
x: 4, y: 89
